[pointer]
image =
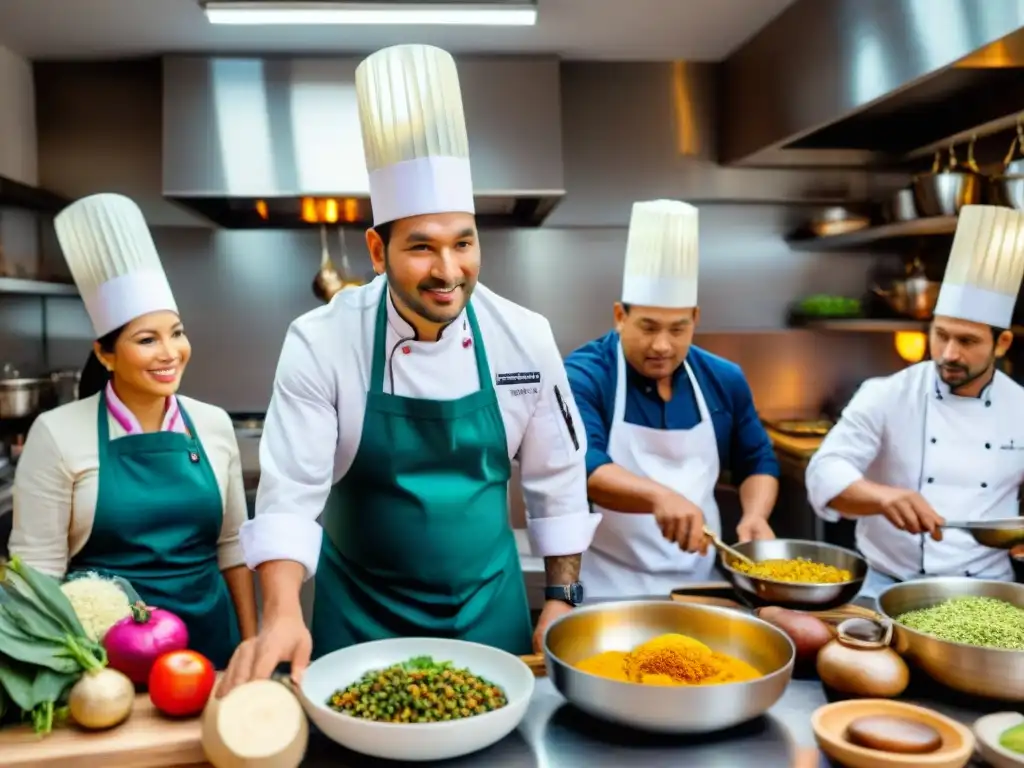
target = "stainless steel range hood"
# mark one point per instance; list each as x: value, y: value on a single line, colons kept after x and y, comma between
x: 256, y: 142
x: 14, y: 194
x: 836, y: 81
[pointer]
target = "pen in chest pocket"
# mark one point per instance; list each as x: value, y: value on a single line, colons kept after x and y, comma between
x: 567, y: 416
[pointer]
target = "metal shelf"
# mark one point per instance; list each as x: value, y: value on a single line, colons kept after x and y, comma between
x: 929, y: 227
x: 865, y: 325
x: 15, y: 285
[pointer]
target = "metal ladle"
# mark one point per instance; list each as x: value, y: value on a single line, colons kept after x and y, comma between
x: 721, y: 546
x: 348, y: 281
x: 328, y: 281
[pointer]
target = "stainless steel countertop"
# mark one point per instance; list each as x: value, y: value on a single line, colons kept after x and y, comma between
x: 554, y: 734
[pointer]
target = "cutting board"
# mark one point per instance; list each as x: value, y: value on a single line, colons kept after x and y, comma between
x: 146, y: 740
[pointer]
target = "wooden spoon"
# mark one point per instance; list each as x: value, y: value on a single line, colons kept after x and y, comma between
x: 721, y: 546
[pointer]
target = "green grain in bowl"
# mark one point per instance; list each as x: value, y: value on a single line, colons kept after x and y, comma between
x: 418, y: 691
x: 984, y: 622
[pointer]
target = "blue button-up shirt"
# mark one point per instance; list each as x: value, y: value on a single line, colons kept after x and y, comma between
x: 743, y: 445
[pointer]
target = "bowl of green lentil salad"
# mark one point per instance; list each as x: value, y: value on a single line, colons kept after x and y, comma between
x: 967, y: 634
x: 417, y: 699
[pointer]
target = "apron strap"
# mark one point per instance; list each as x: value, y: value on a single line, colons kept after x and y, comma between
x: 483, y: 369
x: 102, y: 421
x: 193, y: 438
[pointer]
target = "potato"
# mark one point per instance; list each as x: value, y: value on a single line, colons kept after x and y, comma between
x: 808, y: 633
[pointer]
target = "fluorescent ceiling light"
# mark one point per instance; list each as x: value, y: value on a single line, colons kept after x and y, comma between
x: 410, y: 14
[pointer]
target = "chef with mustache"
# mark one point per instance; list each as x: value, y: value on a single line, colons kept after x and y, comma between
x: 398, y: 409
x: 942, y: 440
x: 663, y: 417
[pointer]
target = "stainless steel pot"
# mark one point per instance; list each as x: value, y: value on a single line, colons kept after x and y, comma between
x: 945, y: 192
x: 901, y: 206
x: 65, y: 386
x: 1008, y: 191
x: 21, y: 398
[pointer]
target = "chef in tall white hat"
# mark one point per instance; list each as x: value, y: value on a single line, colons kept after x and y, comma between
x: 942, y: 440
x: 398, y: 408
x: 133, y: 480
x: 663, y: 417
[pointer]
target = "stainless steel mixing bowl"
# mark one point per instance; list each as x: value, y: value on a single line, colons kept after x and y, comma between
x: 988, y: 672
x: 621, y: 626
x: 800, y: 597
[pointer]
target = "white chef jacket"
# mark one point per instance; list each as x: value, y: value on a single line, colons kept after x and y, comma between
x: 314, y: 424
x: 57, y: 481
x: 964, y: 455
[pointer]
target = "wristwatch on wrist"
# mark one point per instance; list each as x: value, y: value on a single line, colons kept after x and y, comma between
x: 567, y: 593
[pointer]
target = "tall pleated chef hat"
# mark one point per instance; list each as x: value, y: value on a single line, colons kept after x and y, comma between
x: 661, y: 255
x: 113, y: 261
x: 986, y: 266
x: 414, y: 133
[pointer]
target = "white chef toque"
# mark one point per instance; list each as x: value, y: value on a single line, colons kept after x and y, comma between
x: 113, y: 260
x: 661, y: 255
x: 414, y: 133
x: 986, y: 266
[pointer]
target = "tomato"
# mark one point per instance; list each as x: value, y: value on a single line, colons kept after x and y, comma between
x: 180, y: 683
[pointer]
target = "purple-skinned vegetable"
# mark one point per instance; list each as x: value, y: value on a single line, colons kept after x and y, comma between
x: 135, y: 642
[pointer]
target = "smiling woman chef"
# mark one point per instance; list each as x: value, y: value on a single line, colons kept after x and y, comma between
x: 397, y: 410
x: 943, y: 439
x: 136, y: 481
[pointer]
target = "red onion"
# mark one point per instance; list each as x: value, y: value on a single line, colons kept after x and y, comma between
x: 135, y: 642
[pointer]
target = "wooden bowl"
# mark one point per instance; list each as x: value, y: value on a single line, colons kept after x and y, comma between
x: 831, y: 721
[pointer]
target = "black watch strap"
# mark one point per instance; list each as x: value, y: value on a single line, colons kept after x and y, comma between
x: 568, y: 593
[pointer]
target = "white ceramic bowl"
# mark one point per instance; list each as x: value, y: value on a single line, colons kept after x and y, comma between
x: 416, y: 741
x: 987, y: 731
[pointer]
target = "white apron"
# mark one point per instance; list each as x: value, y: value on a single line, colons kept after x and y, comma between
x: 970, y: 471
x: 629, y: 556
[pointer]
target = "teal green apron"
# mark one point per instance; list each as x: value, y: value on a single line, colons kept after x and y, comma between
x: 417, y: 540
x: 158, y: 517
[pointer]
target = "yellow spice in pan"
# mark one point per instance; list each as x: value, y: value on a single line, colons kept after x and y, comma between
x: 797, y: 571
x: 670, y: 659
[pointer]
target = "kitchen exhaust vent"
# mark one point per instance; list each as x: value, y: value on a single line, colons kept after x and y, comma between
x: 254, y: 143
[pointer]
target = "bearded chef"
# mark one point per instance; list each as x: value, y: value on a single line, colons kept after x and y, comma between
x: 397, y: 410
x: 942, y: 440
x: 662, y: 418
